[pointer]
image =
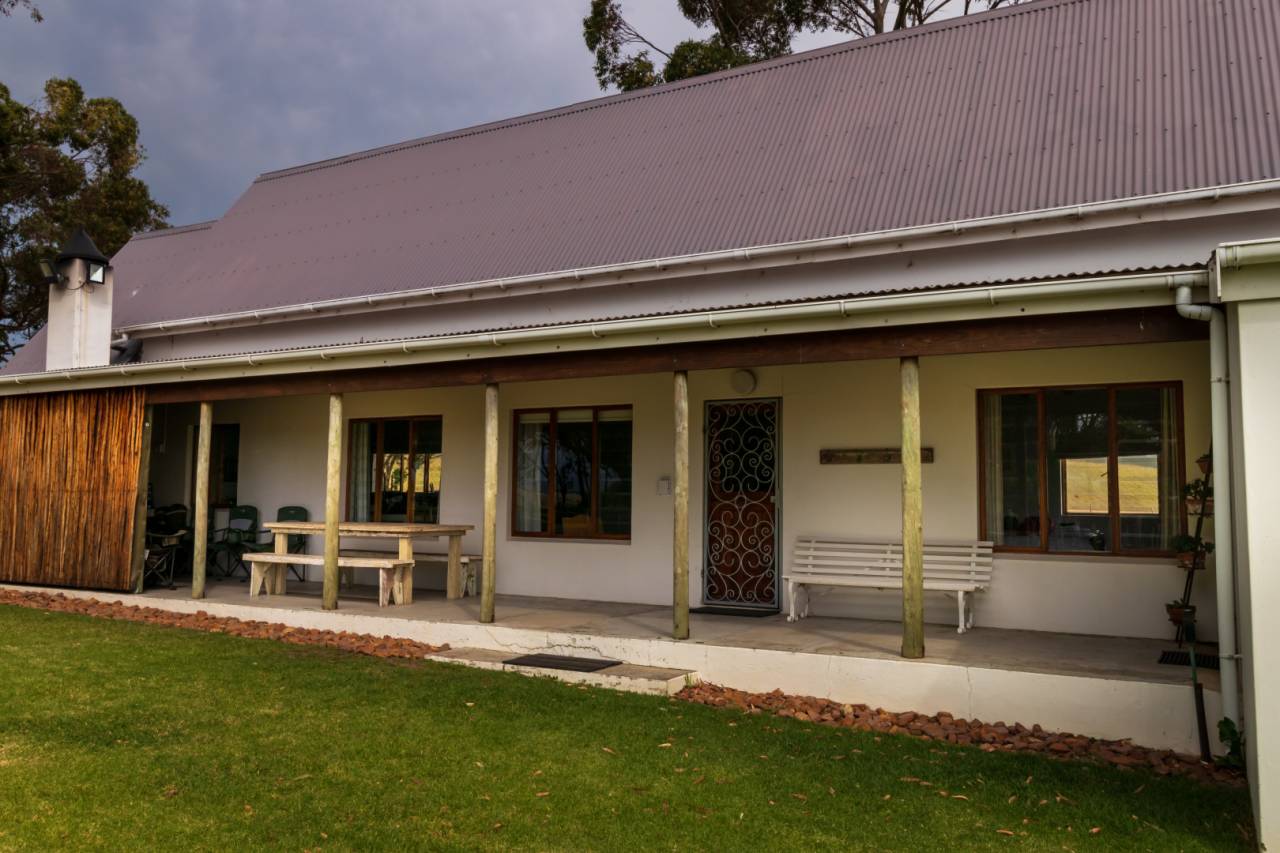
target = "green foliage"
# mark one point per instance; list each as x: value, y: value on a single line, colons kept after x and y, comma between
x: 7, y: 8
x: 118, y: 735
x: 1185, y: 543
x: 65, y: 163
x: 1230, y: 734
x: 692, y: 58
x: 743, y: 31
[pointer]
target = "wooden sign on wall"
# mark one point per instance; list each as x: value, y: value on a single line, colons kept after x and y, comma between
x: 868, y: 456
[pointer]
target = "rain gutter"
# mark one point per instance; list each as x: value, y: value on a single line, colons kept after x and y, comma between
x: 835, y: 313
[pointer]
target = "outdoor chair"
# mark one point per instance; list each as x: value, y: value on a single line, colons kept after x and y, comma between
x: 297, y: 541
x: 166, y: 538
x: 228, y: 545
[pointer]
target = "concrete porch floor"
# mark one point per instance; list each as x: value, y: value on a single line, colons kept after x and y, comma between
x: 1115, y: 658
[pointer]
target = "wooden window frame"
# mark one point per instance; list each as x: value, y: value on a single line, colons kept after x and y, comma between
x: 379, y: 422
x: 1113, y: 480
x: 552, y: 412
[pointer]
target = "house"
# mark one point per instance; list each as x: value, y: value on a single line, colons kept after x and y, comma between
x: 644, y: 345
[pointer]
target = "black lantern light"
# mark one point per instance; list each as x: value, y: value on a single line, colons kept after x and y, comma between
x: 80, y: 247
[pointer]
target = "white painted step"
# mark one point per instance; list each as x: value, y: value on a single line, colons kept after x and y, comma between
x: 630, y: 677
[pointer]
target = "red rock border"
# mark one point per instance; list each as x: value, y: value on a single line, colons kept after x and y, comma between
x: 363, y: 644
x: 944, y: 727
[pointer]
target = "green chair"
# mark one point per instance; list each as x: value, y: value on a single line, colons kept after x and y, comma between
x: 228, y: 545
x: 297, y: 541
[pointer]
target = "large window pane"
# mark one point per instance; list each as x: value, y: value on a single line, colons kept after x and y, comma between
x: 575, y: 448
x: 395, y: 471
x: 1077, y: 436
x: 427, y: 466
x: 614, y: 431
x: 1012, y: 452
x: 1147, y: 468
x: 532, y: 470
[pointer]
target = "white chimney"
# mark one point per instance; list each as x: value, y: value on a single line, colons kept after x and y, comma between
x: 79, y: 330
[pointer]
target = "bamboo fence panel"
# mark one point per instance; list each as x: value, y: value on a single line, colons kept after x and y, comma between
x: 68, y: 481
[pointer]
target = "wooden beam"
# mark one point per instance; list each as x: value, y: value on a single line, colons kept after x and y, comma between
x: 680, y: 492
x: 139, y: 554
x: 489, y: 570
x: 1130, y: 326
x: 912, y: 514
x: 332, y: 502
x: 199, y: 558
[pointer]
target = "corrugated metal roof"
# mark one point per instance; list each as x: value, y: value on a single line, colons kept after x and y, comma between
x: 1043, y: 105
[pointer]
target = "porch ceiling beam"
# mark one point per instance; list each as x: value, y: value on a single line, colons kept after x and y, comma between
x: 1128, y: 326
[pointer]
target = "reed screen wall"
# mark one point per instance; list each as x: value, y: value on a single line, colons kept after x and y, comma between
x: 68, y: 481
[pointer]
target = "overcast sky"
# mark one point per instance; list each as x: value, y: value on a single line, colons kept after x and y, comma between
x: 227, y: 89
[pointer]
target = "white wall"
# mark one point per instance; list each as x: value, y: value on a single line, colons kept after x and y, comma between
x: 852, y: 404
x: 1255, y: 355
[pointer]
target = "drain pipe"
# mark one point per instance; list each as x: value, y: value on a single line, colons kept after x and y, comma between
x: 1223, y: 544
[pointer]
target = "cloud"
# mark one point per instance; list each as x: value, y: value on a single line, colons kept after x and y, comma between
x: 224, y: 91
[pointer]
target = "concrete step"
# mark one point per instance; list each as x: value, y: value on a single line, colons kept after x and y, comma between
x: 630, y: 677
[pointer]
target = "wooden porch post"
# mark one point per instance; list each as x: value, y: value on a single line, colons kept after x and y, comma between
x: 332, y: 502
x: 201, y: 544
x: 680, y: 493
x: 489, y: 570
x: 912, y: 514
x: 138, y: 557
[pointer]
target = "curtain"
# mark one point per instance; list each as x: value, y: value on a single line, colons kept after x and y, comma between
x: 362, y: 463
x: 993, y: 453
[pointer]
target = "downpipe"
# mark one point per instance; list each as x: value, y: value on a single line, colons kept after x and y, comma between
x: 1224, y: 545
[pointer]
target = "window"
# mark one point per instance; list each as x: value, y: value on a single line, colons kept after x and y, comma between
x: 572, y: 473
x: 395, y: 470
x: 224, y: 464
x: 1088, y: 469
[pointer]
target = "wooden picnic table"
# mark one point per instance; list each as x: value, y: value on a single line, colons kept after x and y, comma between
x: 403, y: 533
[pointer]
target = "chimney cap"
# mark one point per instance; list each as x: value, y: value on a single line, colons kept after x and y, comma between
x: 79, y: 246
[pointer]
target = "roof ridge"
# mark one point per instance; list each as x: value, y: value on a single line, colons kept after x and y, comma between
x: 660, y: 89
x: 174, y: 230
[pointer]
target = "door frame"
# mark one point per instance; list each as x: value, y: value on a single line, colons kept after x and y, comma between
x: 776, y: 606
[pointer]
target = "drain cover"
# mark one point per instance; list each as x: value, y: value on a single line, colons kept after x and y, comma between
x: 563, y: 662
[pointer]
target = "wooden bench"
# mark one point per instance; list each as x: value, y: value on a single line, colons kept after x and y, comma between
x: 950, y: 567
x: 395, y: 576
x: 468, y: 561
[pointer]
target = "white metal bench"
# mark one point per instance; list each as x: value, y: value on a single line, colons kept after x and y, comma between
x: 950, y: 567
x: 395, y: 576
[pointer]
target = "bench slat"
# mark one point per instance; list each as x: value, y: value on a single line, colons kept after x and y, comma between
x: 344, y: 562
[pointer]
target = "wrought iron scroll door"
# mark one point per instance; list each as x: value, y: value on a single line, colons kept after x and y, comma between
x: 742, y: 523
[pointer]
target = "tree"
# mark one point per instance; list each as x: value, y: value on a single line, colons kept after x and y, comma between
x: 66, y: 162
x: 744, y: 31
x: 7, y: 8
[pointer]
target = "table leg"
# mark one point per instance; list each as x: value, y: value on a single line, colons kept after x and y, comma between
x: 453, y: 583
x: 280, y: 571
x: 406, y: 575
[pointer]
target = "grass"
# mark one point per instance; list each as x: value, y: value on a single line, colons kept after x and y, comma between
x: 123, y: 735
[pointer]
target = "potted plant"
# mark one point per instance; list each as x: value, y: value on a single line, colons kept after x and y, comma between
x: 1191, y: 551
x: 1179, y: 611
x: 1199, y: 497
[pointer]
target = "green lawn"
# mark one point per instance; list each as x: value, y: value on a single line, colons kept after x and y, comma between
x: 117, y: 734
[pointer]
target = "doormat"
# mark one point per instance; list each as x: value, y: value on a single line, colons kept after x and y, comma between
x: 1203, y: 661
x: 713, y: 610
x: 563, y: 662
